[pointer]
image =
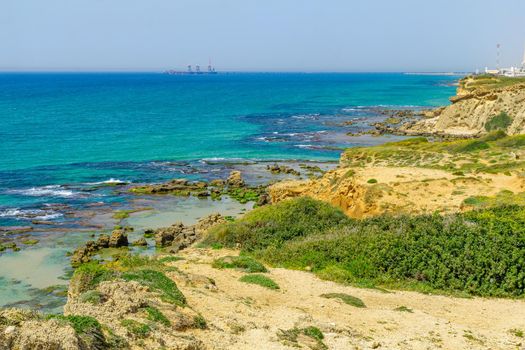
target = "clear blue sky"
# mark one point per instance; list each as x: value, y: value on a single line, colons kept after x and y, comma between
x: 262, y: 35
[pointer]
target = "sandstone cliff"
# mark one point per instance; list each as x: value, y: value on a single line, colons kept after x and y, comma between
x: 416, y: 176
x: 478, y: 102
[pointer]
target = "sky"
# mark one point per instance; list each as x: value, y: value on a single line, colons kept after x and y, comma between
x: 260, y: 35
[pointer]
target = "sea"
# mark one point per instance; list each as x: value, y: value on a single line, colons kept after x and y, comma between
x: 69, y: 140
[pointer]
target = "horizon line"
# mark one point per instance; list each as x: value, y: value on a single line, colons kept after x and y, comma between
x: 245, y: 71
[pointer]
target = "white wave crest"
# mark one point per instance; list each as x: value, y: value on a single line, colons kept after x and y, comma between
x: 46, y: 191
x: 109, y: 182
x: 36, y: 214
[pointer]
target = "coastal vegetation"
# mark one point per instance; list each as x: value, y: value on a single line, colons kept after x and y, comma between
x: 488, y: 82
x: 492, y: 153
x: 499, y: 122
x: 345, y: 298
x: 292, y: 337
x: 146, y: 271
x: 259, y: 280
x: 477, y: 253
x: 243, y: 263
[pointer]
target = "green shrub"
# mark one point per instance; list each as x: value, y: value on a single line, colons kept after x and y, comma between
x: 471, y: 146
x: 372, y: 181
x: 168, y: 259
x: 276, y: 224
x: 81, y: 324
x: 200, y: 322
x: 139, y: 330
x: 493, y: 135
x: 244, y: 263
x: 156, y: 315
x: 260, y: 280
x: 478, y: 252
x: 158, y: 282
x: 91, y: 296
x: 512, y: 141
x: 498, y: 122
x: 88, y: 276
x: 290, y: 336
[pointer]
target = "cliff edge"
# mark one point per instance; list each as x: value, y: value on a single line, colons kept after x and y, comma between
x: 482, y: 103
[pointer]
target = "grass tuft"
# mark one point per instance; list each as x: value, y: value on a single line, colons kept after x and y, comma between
x: 403, y: 309
x: 137, y: 329
x: 158, y: 282
x: 346, y: 298
x: 260, y: 280
x: 156, y: 315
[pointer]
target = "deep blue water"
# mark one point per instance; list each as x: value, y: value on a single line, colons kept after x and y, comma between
x: 62, y: 132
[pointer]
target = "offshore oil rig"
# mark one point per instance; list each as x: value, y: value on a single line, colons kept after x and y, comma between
x: 191, y: 71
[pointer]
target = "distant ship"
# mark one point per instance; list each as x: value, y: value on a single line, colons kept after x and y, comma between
x: 190, y: 71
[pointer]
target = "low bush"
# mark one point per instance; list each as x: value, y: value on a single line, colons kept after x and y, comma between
x: 276, y: 224
x: 479, y: 252
x: 498, y: 122
x: 244, y: 263
x: 260, y: 280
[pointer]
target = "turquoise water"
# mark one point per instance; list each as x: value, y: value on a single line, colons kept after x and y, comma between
x: 62, y: 132
x: 65, y: 136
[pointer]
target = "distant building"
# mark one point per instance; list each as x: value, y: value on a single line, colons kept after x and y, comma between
x: 508, y: 72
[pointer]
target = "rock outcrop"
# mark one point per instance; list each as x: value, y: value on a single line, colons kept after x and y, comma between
x: 478, y: 101
x: 178, y: 236
x: 235, y: 179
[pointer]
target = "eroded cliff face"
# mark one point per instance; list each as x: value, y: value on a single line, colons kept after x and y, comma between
x: 368, y: 192
x: 477, y: 102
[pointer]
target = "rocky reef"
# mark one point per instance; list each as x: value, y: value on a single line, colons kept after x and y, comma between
x: 234, y: 186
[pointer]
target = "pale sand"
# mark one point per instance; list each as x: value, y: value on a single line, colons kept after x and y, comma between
x: 243, y: 316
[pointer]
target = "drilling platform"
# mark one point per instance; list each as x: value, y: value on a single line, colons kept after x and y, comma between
x: 191, y: 71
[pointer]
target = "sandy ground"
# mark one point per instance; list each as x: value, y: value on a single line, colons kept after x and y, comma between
x: 409, y: 190
x: 244, y: 316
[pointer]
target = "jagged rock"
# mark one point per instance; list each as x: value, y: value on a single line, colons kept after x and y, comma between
x: 235, y: 179
x: 282, y: 169
x: 118, y: 239
x: 217, y: 183
x: 140, y: 242
x: 103, y: 241
x: 178, y: 236
x: 42, y: 335
x: 165, y: 236
x: 264, y: 199
x: 83, y: 254
x: 208, y: 221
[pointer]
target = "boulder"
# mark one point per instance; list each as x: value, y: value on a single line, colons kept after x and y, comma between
x: 118, y: 239
x: 217, y: 183
x: 235, y: 179
x: 208, y: 221
x: 140, y: 242
x: 83, y: 254
x: 165, y: 236
x: 103, y: 241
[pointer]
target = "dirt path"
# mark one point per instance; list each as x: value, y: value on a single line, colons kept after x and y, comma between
x: 244, y: 316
